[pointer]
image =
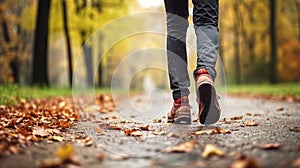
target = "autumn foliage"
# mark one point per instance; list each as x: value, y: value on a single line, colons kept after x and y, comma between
x: 289, y: 61
x: 35, y: 120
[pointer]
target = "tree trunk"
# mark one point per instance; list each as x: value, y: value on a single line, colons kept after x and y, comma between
x: 273, y: 43
x: 5, y: 31
x: 100, y: 70
x: 4, y: 27
x: 87, y: 50
x: 14, y: 65
x: 69, y: 50
x: 40, y: 62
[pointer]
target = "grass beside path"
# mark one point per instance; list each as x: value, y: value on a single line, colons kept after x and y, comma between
x: 282, y: 89
x: 11, y: 94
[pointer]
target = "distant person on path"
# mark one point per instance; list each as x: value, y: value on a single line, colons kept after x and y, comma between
x: 205, y: 18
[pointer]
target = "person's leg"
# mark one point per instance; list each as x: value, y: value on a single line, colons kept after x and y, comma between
x: 177, y: 23
x: 205, y: 17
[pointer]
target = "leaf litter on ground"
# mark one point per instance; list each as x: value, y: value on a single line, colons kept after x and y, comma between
x: 213, y: 131
x: 47, y: 119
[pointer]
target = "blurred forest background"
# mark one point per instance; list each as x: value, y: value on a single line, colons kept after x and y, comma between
x: 40, y: 39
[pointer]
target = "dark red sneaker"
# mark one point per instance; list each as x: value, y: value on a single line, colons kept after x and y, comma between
x: 209, y: 109
x: 180, y: 112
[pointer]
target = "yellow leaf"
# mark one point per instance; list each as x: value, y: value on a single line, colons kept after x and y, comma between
x: 210, y: 150
x: 57, y: 138
x: 100, y: 131
x: 64, y: 151
x: 204, y: 132
x: 182, y: 148
x: 221, y: 131
x: 250, y: 123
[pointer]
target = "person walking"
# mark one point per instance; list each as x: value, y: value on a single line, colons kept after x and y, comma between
x: 205, y: 19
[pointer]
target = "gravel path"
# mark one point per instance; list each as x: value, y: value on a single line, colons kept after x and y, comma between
x: 123, y: 140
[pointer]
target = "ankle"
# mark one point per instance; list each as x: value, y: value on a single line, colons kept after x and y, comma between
x: 200, y: 72
x: 181, y: 101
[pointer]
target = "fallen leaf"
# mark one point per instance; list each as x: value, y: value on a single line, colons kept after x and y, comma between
x: 279, y: 108
x: 208, y: 132
x: 114, y: 117
x: 104, y: 110
x: 229, y: 122
x: 118, y: 157
x: 49, y: 163
x: 157, y: 120
x: 61, y: 104
x: 182, y: 148
x: 64, y: 151
x: 145, y: 128
x: 295, y: 129
x: 115, y: 127
x: 236, y: 118
x: 136, y: 133
x: 296, y: 162
x: 210, y: 150
x: 159, y: 132
x: 243, y: 162
x: 270, y: 146
x: 100, y: 131
x: 88, y: 141
x: 250, y: 114
x: 222, y: 120
x: 73, y: 159
x: 37, y: 131
x: 129, y: 131
x: 57, y: 138
x: 123, y: 121
x: 2, y: 107
x: 14, y: 149
x: 31, y: 121
x: 213, y: 131
x: 101, y: 156
x: 250, y: 123
x: 221, y: 131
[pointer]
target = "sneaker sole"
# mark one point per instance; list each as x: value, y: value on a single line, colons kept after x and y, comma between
x: 210, y: 113
x: 184, y: 117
